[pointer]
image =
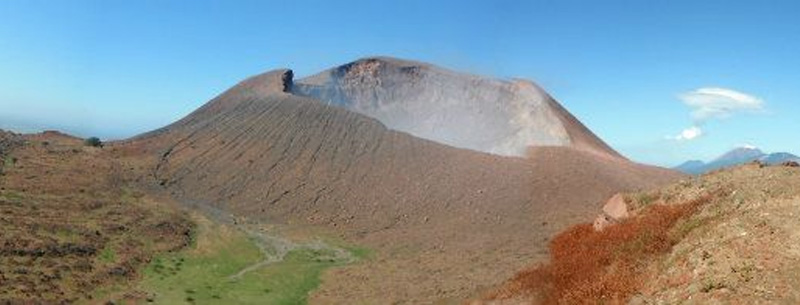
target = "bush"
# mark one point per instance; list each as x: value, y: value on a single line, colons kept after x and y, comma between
x: 93, y: 142
x: 590, y: 267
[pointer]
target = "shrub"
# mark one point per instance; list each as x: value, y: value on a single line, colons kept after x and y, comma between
x: 108, y: 255
x: 590, y: 267
x: 645, y: 199
x: 6, y: 162
x: 93, y: 142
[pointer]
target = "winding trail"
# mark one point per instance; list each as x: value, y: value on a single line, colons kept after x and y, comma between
x: 272, y: 246
x: 275, y: 248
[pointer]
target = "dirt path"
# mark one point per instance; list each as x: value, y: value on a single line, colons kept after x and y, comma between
x: 275, y: 249
x: 272, y: 245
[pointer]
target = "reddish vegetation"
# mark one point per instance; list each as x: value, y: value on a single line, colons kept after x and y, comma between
x: 590, y: 267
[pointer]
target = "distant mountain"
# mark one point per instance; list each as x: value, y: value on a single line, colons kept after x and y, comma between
x: 735, y: 157
x: 777, y: 158
x: 691, y: 167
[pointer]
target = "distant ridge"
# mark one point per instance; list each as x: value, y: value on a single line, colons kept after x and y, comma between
x: 736, y: 157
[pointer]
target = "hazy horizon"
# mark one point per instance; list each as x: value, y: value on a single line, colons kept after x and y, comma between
x: 661, y: 83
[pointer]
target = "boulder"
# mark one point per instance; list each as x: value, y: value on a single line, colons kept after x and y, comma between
x: 601, y: 222
x: 616, y: 208
x: 614, y: 211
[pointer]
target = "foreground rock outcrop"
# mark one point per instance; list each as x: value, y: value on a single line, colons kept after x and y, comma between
x: 614, y: 211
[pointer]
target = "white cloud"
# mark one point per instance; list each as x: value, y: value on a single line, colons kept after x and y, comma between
x: 688, y: 134
x: 714, y: 103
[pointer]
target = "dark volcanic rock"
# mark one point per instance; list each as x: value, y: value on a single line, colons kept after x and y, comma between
x: 8, y: 140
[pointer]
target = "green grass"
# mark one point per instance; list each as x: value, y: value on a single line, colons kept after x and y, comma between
x: 685, y: 226
x: 201, y: 275
x: 9, y: 161
x: 11, y: 196
x: 360, y: 253
x: 108, y: 255
x: 646, y: 199
x: 67, y: 236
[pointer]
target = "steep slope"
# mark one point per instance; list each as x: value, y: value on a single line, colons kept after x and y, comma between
x: 443, y: 221
x: 467, y: 111
x: 728, y: 237
x: 743, y: 246
x: 72, y: 224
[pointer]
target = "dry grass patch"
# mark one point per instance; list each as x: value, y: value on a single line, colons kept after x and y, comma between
x: 606, y: 267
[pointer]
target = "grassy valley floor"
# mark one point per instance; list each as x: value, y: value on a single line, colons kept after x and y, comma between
x: 229, y: 266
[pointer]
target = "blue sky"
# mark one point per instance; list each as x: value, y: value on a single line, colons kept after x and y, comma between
x: 628, y: 69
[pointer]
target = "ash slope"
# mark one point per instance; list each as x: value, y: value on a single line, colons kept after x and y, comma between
x: 470, y: 218
x: 502, y: 117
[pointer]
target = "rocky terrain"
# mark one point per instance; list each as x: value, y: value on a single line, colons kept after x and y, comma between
x: 744, y: 248
x: 725, y: 238
x: 8, y: 141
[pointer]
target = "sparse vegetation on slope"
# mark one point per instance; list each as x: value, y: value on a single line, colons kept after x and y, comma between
x: 723, y: 237
x: 70, y: 225
x: 744, y: 247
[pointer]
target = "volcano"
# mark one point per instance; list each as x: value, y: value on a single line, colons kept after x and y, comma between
x: 455, y: 180
x: 490, y: 115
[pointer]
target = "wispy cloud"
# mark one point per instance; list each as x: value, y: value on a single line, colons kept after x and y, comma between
x: 715, y: 103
